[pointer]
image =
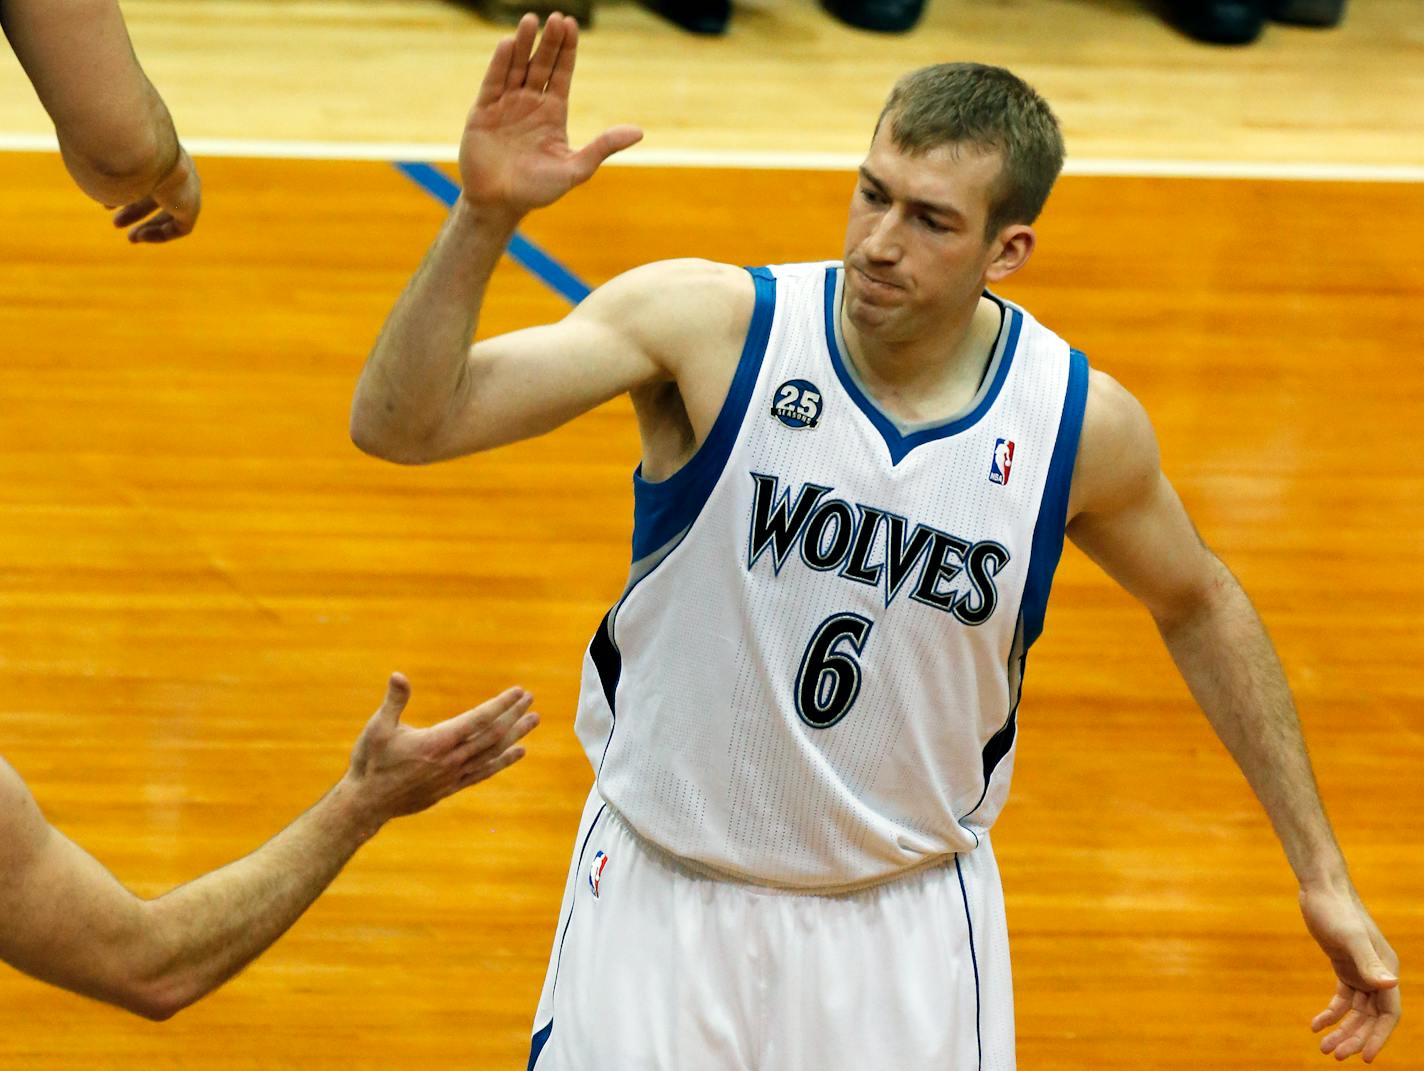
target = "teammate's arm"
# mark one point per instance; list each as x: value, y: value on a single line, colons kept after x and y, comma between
x: 65, y: 919
x: 426, y: 393
x: 114, y: 131
x: 1126, y: 516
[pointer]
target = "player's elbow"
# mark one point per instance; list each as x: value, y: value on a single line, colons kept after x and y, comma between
x: 1201, y: 593
x: 115, y: 171
x: 134, y: 161
x: 380, y: 440
x: 153, y: 995
x: 151, y: 974
x: 156, y: 1006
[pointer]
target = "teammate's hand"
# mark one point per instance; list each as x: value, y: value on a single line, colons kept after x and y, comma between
x: 398, y: 770
x: 176, y: 199
x: 1366, y: 1005
x: 515, y: 155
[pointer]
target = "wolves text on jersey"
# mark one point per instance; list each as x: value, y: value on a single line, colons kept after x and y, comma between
x: 952, y: 574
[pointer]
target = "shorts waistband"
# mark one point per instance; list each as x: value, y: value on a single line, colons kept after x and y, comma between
x: 698, y: 869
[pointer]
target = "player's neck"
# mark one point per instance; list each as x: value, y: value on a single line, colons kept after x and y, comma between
x: 932, y: 375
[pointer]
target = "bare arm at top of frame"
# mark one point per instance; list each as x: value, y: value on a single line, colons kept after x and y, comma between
x: 1125, y: 515
x: 668, y: 333
x: 65, y: 919
x: 114, y: 131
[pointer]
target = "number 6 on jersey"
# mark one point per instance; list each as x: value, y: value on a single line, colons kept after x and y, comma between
x: 829, y: 679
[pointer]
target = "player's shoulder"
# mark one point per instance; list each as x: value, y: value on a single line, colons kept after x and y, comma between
x: 686, y: 278
x: 1112, y: 411
x: 669, y: 306
x: 1117, y: 450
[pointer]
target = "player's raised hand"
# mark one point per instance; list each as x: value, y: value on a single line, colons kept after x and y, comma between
x: 171, y: 210
x: 398, y: 770
x: 515, y: 154
x: 1366, y: 1006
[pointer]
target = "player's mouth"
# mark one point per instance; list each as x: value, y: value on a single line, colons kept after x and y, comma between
x: 872, y: 286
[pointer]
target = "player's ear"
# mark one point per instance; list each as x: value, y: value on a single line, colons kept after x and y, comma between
x: 1013, y: 246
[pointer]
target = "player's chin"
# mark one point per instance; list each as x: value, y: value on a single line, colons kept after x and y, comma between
x: 874, y: 318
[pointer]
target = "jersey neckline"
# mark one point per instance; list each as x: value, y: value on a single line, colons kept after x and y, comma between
x: 900, y: 442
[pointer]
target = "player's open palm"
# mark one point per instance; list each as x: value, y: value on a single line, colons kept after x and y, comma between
x: 515, y: 155
x: 1366, y: 1005
x: 399, y: 770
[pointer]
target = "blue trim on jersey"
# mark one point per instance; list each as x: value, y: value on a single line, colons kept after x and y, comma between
x: 974, y: 959
x: 1047, y: 544
x: 1046, y: 549
x: 663, y: 509
x: 536, y: 1046
x: 898, y: 444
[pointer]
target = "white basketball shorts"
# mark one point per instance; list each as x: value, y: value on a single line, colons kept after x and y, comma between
x: 656, y: 967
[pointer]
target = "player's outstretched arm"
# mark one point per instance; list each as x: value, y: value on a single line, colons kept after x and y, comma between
x: 514, y: 157
x: 114, y: 131
x: 1126, y: 516
x: 64, y: 919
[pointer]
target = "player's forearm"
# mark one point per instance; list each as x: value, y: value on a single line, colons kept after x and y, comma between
x: 1224, y: 654
x: 416, y: 371
x: 114, y: 130
x: 202, y: 933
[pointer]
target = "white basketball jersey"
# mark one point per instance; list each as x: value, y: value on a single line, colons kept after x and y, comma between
x: 812, y: 679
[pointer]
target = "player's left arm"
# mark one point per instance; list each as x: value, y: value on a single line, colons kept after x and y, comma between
x: 115, y: 134
x: 66, y: 920
x: 1124, y: 514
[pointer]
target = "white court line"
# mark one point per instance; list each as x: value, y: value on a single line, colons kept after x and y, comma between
x: 808, y: 161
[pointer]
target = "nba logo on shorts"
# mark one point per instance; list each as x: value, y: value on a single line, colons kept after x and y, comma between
x: 595, y: 872
x: 1003, y: 460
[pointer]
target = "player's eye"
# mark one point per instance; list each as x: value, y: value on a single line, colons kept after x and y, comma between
x: 870, y: 195
x: 934, y: 225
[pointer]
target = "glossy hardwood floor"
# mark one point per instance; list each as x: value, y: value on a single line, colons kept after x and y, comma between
x: 788, y: 78
x: 204, y: 585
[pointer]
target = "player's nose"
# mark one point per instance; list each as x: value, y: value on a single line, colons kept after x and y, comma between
x: 882, y: 244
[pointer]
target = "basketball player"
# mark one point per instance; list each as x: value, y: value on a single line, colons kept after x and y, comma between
x: 114, y: 131
x: 65, y: 920
x: 855, y: 483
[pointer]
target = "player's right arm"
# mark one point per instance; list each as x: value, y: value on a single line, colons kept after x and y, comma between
x: 114, y: 131
x: 425, y: 393
x: 1126, y: 516
x: 66, y: 920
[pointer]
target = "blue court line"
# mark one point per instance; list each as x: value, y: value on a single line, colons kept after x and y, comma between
x: 525, y: 253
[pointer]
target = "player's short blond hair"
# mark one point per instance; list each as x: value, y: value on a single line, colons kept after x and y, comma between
x: 991, y: 109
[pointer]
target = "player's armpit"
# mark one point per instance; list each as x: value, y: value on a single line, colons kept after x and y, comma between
x: 680, y: 321
x: 1127, y: 517
x: 63, y: 918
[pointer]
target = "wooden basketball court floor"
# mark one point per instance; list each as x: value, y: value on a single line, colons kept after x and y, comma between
x: 204, y: 584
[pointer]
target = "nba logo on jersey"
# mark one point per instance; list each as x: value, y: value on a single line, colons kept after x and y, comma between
x: 1002, y: 461
x: 595, y: 872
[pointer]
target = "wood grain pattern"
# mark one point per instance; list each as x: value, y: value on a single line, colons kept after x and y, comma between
x: 787, y: 77
x: 204, y: 584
